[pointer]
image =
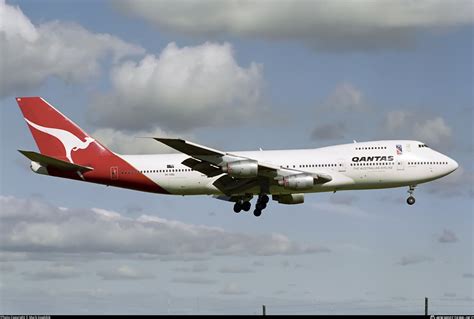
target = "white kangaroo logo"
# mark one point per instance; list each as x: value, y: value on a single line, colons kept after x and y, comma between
x: 69, y: 140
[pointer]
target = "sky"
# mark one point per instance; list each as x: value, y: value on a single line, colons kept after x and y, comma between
x: 238, y: 75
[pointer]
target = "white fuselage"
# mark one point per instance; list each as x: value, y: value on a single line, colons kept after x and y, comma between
x: 366, y: 165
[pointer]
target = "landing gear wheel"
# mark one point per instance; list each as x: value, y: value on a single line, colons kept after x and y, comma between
x: 411, y: 199
x: 237, y: 207
x: 261, y: 204
x: 246, y: 206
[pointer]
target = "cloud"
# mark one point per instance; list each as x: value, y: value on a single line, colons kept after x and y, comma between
x: 32, y: 54
x: 447, y: 236
x: 232, y: 289
x: 414, y: 259
x: 193, y: 280
x: 468, y: 275
x: 324, y: 25
x: 346, y: 98
x: 329, y: 131
x: 181, y: 89
x: 458, y: 183
x: 133, y: 208
x: 235, y: 270
x: 55, y: 271
x: 258, y: 263
x: 433, y: 131
x: 138, y: 142
x: 396, y: 120
x: 123, y: 273
x: 32, y: 225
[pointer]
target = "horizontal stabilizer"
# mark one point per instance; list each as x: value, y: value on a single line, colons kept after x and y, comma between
x: 48, y: 161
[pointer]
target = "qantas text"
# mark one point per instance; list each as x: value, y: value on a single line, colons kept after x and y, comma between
x: 372, y: 158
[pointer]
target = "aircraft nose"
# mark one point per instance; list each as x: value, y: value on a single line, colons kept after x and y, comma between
x: 454, y: 165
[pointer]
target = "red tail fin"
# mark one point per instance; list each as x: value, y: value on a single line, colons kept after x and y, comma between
x: 56, y: 135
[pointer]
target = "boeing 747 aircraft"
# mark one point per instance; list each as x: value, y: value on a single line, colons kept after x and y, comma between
x: 287, y: 175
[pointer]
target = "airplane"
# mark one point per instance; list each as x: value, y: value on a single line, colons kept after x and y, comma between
x: 66, y: 151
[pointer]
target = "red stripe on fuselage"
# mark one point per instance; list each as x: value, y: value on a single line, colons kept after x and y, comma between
x: 102, y: 174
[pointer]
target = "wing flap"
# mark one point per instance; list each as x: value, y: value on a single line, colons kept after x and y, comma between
x: 229, y: 185
x: 48, y: 161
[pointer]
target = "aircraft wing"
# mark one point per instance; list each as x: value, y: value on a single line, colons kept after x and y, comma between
x: 189, y: 148
x: 210, y: 161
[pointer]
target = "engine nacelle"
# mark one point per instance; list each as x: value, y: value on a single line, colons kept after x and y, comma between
x: 38, y: 168
x: 289, y: 199
x: 297, y: 182
x: 242, y: 169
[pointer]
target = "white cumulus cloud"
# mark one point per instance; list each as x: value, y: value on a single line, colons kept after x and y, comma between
x: 31, y: 54
x: 181, y: 89
x: 346, y: 98
x: 33, y: 226
x: 418, y: 126
x: 396, y: 120
x: 434, y: 131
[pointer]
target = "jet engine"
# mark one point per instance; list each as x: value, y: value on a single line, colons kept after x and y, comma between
x: 289, y: 199
x: 297, y: 182
x: 242, y: 169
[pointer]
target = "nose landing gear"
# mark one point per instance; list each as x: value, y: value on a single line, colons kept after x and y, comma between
x: 411, y: 198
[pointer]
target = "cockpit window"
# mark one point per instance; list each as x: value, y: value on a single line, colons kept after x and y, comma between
x: 422, y: 145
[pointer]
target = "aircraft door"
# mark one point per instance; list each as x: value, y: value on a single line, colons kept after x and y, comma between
x: 341, y: 165
x: 400, y: 165
x: 114, y: 173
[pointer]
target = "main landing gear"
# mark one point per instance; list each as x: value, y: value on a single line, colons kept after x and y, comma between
x: 411, y: 198
x: 241, y: 205
x: 262, y: 202
x: 245, y: 205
